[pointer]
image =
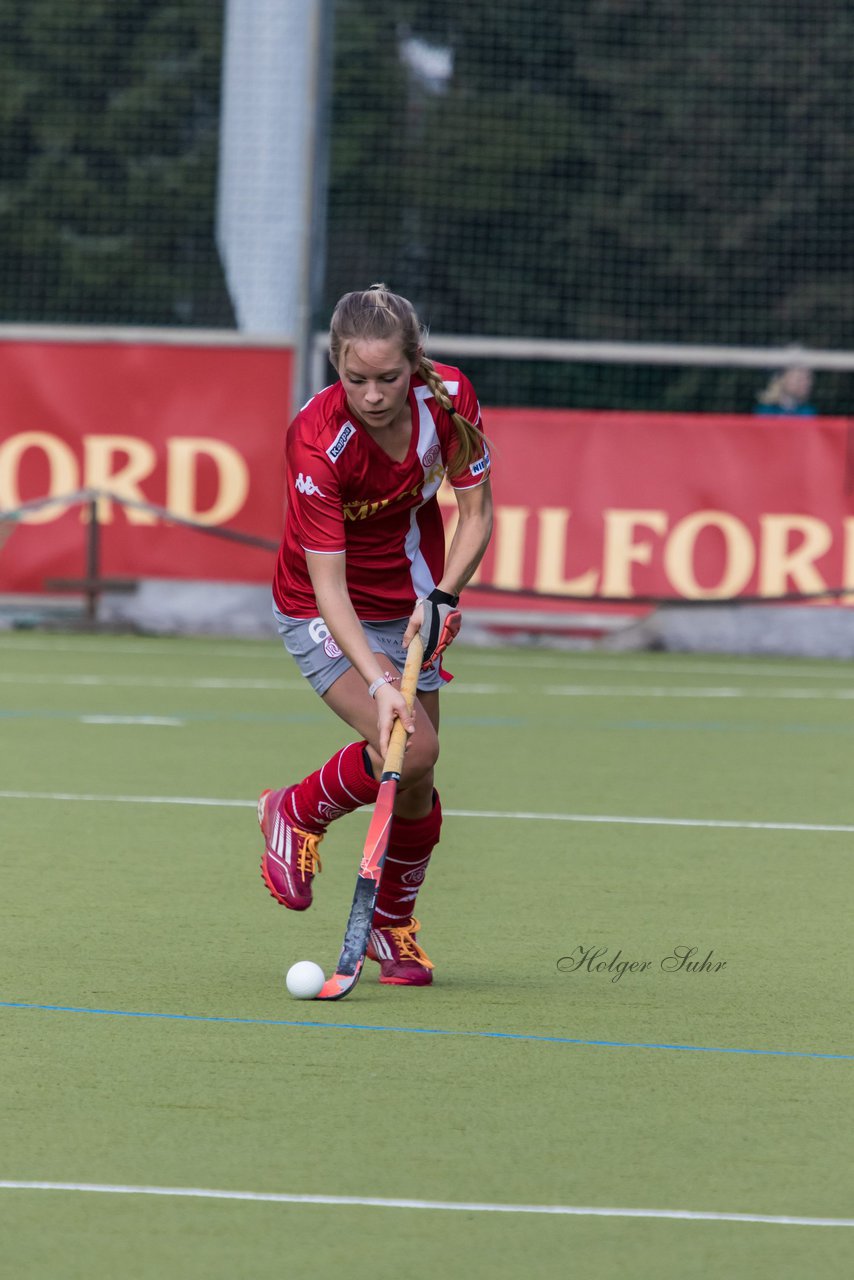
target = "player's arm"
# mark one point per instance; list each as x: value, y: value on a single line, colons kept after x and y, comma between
x: 328, y: 578
x: 471, y: 537
x: 438, y: 615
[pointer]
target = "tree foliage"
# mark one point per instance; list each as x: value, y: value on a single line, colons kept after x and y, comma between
x: 109, y: 115
x: 638, y: 170
x: 603, y: 169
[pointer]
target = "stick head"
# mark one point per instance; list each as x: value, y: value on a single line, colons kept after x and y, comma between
x: 339, y: 985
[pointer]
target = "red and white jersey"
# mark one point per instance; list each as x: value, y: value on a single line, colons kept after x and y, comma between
x: 346, y: 494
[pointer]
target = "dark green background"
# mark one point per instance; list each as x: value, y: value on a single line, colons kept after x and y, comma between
x: 616, y: 171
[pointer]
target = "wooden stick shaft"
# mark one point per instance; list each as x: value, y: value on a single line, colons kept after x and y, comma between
x: 393, y: 762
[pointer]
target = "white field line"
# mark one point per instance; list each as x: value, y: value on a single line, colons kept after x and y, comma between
x: 569, y: 691
x: 153, y: 649
x: 617, y: 820
x: 498, y: 814
x: 151, y: 682
x: 454, y: 1206
x: 688, y: 691
x: 198, y: 801
x: 833, y: 670
x: 168, y: 721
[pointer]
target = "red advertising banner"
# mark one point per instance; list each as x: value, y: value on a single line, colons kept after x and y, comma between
x: 588, y: 504
x: 197, y: 429
x: 693, y: 506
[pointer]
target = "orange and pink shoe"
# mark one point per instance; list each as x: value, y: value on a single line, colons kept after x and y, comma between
x: 290, y: 859
x: 402, y: 962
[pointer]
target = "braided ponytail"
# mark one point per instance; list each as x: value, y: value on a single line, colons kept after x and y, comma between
x: 471, y: 438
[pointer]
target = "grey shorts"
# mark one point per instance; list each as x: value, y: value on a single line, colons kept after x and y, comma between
x: 320, y: 660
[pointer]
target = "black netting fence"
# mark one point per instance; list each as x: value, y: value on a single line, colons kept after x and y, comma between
x: 600, y: 169
x: 109, y: 125
x: 611, y: 170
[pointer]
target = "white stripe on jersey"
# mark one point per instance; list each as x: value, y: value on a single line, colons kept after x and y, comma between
x: 316, y: 394
x: 422, y: 579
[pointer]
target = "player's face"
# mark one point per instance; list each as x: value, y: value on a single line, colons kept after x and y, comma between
x: 376, y: 377
x: 797, y: 383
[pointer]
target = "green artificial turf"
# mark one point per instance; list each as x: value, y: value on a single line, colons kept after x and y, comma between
x: 512, y: 1081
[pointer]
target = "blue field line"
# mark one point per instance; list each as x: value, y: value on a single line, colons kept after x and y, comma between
x: 721, y: 726
x: 575, y: 725
x: 426, y: 1031
x: 203, y: 717
x: 240, y: 717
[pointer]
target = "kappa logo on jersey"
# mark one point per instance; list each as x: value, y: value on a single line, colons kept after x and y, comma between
x: 340, y: 442
x: 306, y: 485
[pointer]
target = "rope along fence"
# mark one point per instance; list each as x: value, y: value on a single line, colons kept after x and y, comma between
x: 92, y: 584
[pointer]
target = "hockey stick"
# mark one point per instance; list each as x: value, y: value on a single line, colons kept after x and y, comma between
x: 358, y: 929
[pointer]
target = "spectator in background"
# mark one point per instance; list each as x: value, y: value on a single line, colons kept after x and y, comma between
x: 788, y: 393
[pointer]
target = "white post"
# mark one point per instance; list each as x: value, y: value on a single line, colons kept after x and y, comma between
x: 266, y: 181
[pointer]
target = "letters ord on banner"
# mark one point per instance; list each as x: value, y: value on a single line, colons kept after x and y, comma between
x: 196, y: 429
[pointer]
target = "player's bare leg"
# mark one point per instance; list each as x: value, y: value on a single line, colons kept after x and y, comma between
x: 349, y: 699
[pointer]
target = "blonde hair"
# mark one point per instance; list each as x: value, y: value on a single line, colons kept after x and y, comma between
x: 778, y: 391
x: 377, y: 313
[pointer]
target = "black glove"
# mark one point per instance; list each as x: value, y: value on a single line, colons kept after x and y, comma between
x: 442, y: 621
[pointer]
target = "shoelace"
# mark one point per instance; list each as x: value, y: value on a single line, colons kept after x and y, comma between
x: 308, y: 859
x: 406, y: 944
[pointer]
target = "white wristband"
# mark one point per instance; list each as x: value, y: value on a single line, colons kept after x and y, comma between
x: 385, y: 678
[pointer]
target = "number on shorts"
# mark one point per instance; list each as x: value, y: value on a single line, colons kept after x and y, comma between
x: 318, y: 630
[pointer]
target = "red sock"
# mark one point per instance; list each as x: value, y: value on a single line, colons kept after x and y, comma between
x: 338, y: 787
x: 411, y: 843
